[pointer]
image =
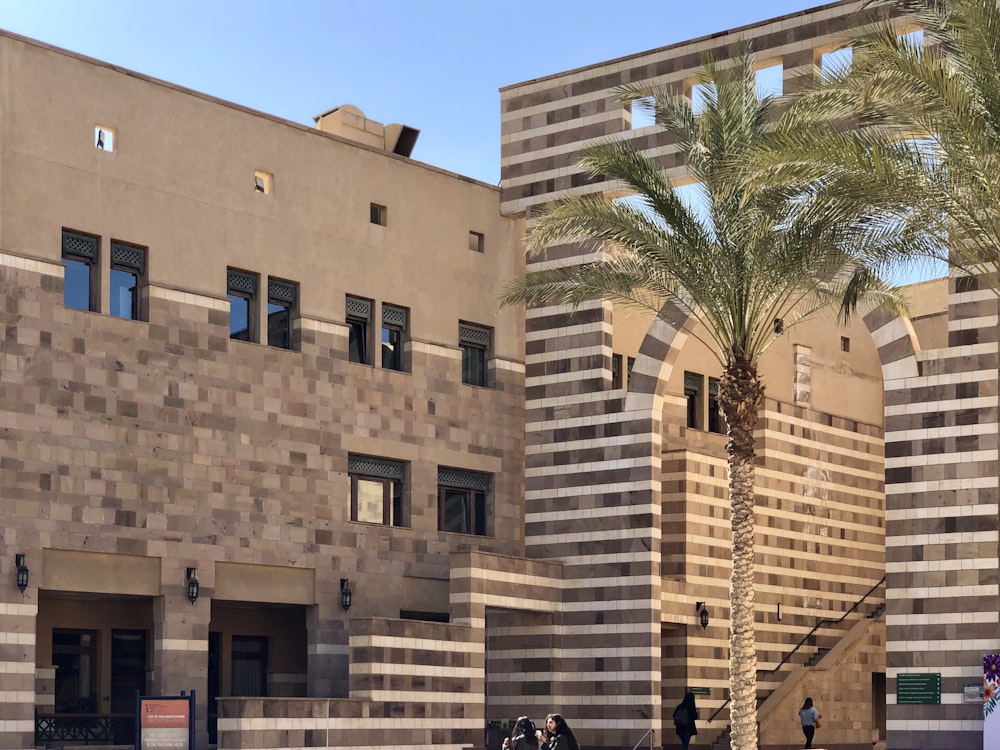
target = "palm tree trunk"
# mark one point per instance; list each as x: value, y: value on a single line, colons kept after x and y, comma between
x: 740, y: 395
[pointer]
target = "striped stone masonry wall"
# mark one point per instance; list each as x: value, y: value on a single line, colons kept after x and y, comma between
x: 941, y: 514
x: 612, y: 489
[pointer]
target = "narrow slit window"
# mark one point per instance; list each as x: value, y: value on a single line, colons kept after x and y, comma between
x: 693, y: 389
x: 845, y: 344
x: 359, y: 318
x: 282, y: 303
x: 241, y: 290
x: 394, y: 327
x: 128, y: 277
x: 616, y: 371
x: 80, y: 280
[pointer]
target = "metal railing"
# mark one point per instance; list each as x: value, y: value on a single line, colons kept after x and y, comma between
x: 819, y: 624
x: 84, y: 729
x: 651, y: 733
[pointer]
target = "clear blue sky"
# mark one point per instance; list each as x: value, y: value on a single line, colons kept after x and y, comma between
x: 436, y: 65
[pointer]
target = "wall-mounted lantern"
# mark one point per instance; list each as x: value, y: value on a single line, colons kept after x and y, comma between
x: 702, y: 611
x: 192, y: 584
x: 21, y: 571
x: 345, y: 594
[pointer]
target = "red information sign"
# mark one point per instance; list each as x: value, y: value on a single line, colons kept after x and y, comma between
x: 165, y: 723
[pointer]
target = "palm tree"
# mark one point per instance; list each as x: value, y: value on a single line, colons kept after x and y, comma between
x: 748, y: 265
x: 924, y: 138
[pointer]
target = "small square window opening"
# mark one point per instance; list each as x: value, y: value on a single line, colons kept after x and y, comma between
x: 477, y: 242
x: 379, y: 214
x: 104, y: 138
x: 845, y: 344
x: 769, y: 81
x: 263, y: 182
x: 643, y: 112
x: 835, y: 63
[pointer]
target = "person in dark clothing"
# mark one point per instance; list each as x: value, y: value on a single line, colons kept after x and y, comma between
x: 560, y: 736
x: 522, y: 736
x: 685, y: 716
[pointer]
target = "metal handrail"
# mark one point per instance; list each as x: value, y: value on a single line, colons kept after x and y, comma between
x: 819, y: 623
x: 651, y: 733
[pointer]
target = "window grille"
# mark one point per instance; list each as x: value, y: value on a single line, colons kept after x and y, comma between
x: 393, y: 316
x: 692, y: 382
x: 375, y: 467
x: 475, y: 335
x: 281, y: 291
x: 359, y: 308
x: 238, y: 281
x: 713, y: 387
x: 470, y: 480
x: 79, y: 245
x: 127, y: 256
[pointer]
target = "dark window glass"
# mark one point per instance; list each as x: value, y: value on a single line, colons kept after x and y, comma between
x: 75, y: 655
x: 616, y: 371
x: 392, y: 348
x: 77, y: 284
x: 473, y: 365
x: 128, y: 669
x: 358, y: 340
x: 716, y: 421
x: 462, y: 511
x: 239, y: 317
x: 124, y: 293
x: 279, y: 325
x: 249, y: 666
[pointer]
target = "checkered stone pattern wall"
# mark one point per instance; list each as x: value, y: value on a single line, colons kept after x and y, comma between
x: 941, y: 514
x: 167, y: 440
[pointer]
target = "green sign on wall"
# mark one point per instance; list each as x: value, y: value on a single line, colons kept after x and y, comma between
x: 701, y: 690
x: 918, y: 688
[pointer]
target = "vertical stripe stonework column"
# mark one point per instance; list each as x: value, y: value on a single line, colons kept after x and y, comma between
x: 18, y: 614
x: 180, y: 648
x: 941, y: 515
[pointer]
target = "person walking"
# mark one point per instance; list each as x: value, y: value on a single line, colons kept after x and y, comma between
x: 685, y: 716
x: 522, y: 736
x: 560, y: 736
x: 809, y: 717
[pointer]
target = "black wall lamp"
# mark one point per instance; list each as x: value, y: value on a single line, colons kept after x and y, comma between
x: 345, y: 594
x: 702, y: 611
x: 192, y: 584
x: 22, y: 572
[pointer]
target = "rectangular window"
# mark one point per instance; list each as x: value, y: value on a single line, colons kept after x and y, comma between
x: 282, y: 304
x: 643, y: 112
x: 770, y: 81
x: 616, y: 370
x: 462, y: 501
x: 475, y: 344
x: 477, y: 242
x: 379, y: 214
x: 128, y: 276
x: 359, y: 317
x: 80, y: 287
x: 845, y: 344
x: 693, y: 386
x: 249, y: 666
x: 241, y: 289
x: 377, y: 490
x: 394, y: 326
x: 716, y: 420
x: 76, y: 657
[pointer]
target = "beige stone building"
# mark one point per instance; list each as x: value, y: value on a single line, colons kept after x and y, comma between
x: 268, y: 358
